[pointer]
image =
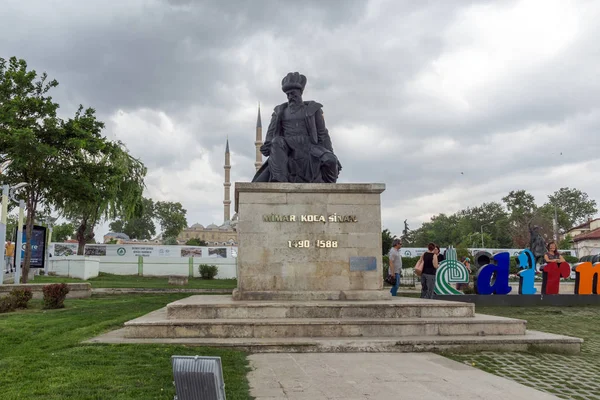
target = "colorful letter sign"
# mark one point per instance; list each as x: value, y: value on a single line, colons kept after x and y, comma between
x: 586, y: 278
x: 450, y: 272
x: 484, y: 284
x: 526, y: 262
x: 493, y: 278
x: 551, y: 274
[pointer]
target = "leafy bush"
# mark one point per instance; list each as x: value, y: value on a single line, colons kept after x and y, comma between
x: 54, y: 295
x: 7, y: 304
x: 208, y: 271
x: 22, y: 297
x: 571, y: 259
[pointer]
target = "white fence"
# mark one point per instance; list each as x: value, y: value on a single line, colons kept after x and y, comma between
x: 86, y: 267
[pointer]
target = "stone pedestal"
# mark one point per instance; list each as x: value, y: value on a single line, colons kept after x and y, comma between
x: 309, y: 241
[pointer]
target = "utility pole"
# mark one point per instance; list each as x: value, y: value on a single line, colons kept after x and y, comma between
x: 555, y: 226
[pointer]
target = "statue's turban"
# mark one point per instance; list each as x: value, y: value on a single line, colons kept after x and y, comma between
x: 293, y: 80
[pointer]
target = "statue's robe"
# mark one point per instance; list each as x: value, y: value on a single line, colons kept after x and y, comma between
x: 303, y: 136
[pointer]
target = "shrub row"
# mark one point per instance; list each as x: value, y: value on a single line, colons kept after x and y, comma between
x: 17, y: 298
x: 54, y: 295
x: 208, y: 271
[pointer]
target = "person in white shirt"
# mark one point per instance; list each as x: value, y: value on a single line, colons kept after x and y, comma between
x: 395, y: 264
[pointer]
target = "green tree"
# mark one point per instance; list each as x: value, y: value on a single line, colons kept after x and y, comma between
x: 566, y: 243
x: 171, y: 216
x: 196, y: 242
x: 104, y: 179
x: 62, y: 232
x: 522, y: 209
x: 117, y: 226
x: 491, y: 218
x: 519, y: 202
x: 170, y: 241
x: 576, y: 206
x: 31, y: 136
x: 141, y: 227
x: 386, y: 241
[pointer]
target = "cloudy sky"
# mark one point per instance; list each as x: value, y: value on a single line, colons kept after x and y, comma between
x: 449, y: 103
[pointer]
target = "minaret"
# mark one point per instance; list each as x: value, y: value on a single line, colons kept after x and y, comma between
x: 258, y: 142
x: 227, y: 184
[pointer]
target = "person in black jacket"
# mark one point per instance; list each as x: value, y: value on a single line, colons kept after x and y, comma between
x: 430, y: 266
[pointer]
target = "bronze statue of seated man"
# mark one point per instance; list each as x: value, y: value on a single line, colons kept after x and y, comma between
x: 297, y: 142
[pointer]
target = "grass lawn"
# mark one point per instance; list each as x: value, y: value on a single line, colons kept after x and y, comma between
x: 41, y: 355
x: 568, y: 377
x: 133, y: 281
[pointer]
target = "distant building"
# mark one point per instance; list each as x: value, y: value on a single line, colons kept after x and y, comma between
x: 586, y: 238
x: 586, y: 227
x: 224, y: 235
x: 115, y: 236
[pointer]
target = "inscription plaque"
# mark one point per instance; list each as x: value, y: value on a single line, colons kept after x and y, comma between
x: 363, y: 263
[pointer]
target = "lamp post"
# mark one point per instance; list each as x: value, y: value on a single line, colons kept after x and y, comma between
x: 3, y: 229
x: 555, y: 225
x: 482, y: 245
x: 50, y: 221
x: 3, y: 217
x: 19, y: 241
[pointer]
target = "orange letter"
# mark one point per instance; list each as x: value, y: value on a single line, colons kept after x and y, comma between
x: 586, y: 278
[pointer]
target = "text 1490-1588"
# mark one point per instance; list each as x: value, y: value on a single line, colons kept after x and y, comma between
x: 304, y: 244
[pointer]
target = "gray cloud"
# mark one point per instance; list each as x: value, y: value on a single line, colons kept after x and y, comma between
x: 414, y: 92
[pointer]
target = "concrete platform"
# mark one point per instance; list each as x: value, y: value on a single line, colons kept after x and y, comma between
x: 363, y: 376
x: 531, y: 340
x: 397, y: 325
x: 156, y: 325
x: 207, y: 307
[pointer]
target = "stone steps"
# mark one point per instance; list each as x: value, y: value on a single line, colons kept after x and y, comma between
x: 223, y: 307
x: 156, y: 325
x: 530, y: 341
x: 393, y: 325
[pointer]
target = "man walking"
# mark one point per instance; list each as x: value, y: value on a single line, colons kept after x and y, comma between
x: 9, y: 253
x: 395, y: 264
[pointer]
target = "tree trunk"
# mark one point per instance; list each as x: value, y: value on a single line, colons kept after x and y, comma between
x: 81, y: 237
x: 28, y: 235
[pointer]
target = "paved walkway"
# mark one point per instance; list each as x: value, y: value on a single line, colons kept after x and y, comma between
x: 377, y: 376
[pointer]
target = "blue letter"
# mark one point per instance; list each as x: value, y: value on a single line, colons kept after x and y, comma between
x: 527, y: 274
x: 484, y: 284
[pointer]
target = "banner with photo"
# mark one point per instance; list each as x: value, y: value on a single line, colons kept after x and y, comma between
x: 134, y: 250
x: 63, y: 249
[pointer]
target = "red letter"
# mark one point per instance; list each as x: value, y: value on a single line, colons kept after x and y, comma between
x: 586, y: 278
x: 551, y: 274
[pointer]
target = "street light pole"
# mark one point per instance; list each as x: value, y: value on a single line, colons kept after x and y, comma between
x: 3, y: 231
x: 48, y: 240
x: 482, y: 244
x: 555, y: 226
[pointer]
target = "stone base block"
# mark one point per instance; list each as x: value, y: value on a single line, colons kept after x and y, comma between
x: 320, y: 239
